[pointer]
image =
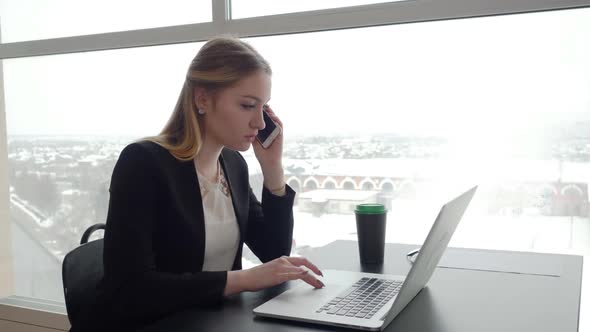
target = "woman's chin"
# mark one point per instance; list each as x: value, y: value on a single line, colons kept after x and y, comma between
x: 241, y: 147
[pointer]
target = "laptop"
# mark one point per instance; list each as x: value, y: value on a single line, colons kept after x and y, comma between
x: 369, y: 301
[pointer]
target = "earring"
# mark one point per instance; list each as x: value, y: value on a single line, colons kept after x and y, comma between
x: 200, y: 111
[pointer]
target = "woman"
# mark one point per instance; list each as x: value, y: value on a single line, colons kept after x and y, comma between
x: 181, y: 206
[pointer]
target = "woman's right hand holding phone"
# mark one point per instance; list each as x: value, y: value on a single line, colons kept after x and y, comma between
x: 270, y: 158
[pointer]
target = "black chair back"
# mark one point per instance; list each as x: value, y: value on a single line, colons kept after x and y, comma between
x: 82, y: 270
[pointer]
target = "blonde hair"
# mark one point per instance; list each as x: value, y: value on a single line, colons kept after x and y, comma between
x: 220, y: 63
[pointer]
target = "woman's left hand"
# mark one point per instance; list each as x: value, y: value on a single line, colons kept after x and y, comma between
x: 270, y: 159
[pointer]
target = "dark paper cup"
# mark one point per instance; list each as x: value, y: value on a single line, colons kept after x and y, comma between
x: 370, y: 229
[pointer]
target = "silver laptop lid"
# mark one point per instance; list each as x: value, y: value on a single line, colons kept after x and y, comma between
x: 432, y: 250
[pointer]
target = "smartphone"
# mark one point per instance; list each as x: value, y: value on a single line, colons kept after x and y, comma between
x: 267, y: 135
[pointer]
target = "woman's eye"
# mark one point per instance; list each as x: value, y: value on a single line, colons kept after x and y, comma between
x: 248, y: 106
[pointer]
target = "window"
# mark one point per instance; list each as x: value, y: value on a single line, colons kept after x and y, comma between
x: 64, y: 142
x: 423, y: 110
x: 368, y: 186
x: 41, y: 19
x: 406, y: 115
x: 348, y: 185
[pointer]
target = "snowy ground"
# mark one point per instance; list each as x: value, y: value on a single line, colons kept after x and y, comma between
x: 409, y: 222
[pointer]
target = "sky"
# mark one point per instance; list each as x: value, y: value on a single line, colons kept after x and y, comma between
x: 494, y: 78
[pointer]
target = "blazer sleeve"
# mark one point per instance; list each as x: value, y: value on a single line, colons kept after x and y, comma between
x: 136, y: 289
x: 270, y: 224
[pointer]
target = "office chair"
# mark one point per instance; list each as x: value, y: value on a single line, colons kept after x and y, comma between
x: 82, y: 270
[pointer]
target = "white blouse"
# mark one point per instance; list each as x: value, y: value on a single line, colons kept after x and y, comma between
x: 222, y: 234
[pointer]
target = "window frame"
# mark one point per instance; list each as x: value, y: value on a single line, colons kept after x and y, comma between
x: 310, y: 21
x: 293, y: 23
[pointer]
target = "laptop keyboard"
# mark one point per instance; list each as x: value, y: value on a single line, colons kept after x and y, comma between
x: 363, y: 299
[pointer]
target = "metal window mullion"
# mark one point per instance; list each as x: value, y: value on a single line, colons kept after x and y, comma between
x: 6, y: 259
x: 379, y: 15
x: 220, y: 11
x: 319, y: 20
x: 109, y: 41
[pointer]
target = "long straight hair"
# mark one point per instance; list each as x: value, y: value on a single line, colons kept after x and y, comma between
x: 219, y: 64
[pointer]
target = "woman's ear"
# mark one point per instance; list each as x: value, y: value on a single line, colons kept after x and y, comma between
x: 201, y: 99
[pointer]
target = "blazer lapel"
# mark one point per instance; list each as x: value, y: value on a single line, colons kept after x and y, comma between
x: 236, y: 192
x: 191, y: 189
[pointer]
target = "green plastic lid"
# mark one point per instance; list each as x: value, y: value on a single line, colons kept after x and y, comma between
x: 370, y: 209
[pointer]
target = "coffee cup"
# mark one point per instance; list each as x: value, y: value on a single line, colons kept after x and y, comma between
x: 370, y: 227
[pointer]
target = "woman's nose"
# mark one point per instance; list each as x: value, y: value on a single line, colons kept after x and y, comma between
x: 258, y: 120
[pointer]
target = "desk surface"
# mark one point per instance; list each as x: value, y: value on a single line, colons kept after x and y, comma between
x: 471, y: 290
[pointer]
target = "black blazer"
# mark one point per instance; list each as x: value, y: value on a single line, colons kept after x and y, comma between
x: 154, y: 242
